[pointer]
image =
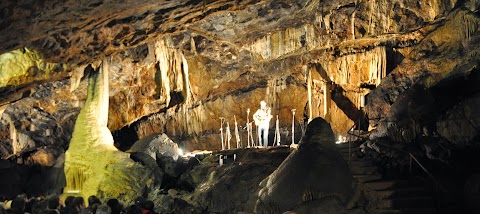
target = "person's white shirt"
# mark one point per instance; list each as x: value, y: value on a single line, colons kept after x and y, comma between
x: 263, y: 115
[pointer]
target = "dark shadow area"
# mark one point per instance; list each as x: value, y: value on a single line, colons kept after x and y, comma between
x: 35, y: 180
x: 453, y: 90
x: 394, y: 58
x: 125, y: 137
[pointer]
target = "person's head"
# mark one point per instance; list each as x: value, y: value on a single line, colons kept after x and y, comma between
x: 149, y: 205
x: 263, y: 104
x: 49, y: 211
x: 133, y: 209
x: 39, y: 206
x: 69, y: 201
x: 29, y: 205
x: 18, y: 204
x: 114, y: 205
x: 139, y: 201
x: 93, y: 200
x: 78, y: 203
x: 53, y: 202
x: 103, y: 209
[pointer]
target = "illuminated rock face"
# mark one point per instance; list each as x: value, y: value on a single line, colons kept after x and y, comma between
x: 93, y: 166
x: 23, y: 66
x: 177, y: 67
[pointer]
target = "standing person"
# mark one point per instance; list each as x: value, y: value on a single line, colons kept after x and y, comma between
x: 262, y: 120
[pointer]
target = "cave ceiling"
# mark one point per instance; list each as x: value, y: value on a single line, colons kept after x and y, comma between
x: 79, y: 32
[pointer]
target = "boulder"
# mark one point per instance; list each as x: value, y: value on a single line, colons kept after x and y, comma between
x: 315, y: 174
x: 156, y: 144
x: 460, y: 124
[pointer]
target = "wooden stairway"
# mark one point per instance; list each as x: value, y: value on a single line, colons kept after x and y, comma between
x: 386, y: 196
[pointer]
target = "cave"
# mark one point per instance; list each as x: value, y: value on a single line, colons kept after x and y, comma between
x: 365, y: 106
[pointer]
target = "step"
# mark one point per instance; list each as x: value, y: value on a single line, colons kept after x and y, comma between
x: 361, y: 163
x: 345, y: 145
x: 366, y: 178
x: 398, y: 193
x: 367, y: 170
x: 405, y: 211
x: 384, y: 185
x: 410, y: 202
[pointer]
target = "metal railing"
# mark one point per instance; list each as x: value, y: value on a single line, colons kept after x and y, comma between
x: 413, y: 158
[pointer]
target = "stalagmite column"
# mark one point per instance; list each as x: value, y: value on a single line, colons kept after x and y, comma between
x: 326, y: 101
x: 93, y: 166
x: 309, y: 87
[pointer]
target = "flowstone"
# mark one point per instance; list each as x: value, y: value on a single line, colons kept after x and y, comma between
x: 93, y: 166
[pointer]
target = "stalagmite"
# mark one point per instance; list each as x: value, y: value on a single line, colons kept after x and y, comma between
x: 326, y: 101
x: 221, y: 132
x: 249, y: 131
x: 309, y: 88
x: 228, y: 136
x: 93, y: 166
x: 277, y: 132
x: 293, y: 126
x: 237, y: 134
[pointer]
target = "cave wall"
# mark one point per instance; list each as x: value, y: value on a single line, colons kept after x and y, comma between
x: 197, y: 68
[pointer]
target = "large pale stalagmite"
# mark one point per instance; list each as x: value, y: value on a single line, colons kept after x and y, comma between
x: 93, y: 166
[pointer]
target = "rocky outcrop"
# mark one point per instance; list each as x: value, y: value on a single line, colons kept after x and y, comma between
x: 434, y: 59
x: 314, y: 179
x: 460, y: 124
x: 157, y: 144
x: 220, y: 188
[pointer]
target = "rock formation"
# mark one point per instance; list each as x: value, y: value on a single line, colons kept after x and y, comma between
x: 313, y: 179
x: 93, y: 166
x: 403, y: 72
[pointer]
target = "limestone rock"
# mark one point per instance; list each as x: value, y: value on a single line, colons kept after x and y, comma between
x: 156, y: 144
x: 434, y: 59
x: 227, y: 188
x: 460, y: 124
x: 234, y: 187
x: 315, y: 173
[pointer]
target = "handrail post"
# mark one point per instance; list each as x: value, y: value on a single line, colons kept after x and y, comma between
x: 410, y: 164
x: 349, y: 153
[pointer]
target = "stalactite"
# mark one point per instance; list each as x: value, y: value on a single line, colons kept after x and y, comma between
x: 76, y: 77
x: 371, y: 26
x: 163, y: 59
x: 354, y: 69
x: 326, y: 20
x: 174, y: 77
x: 352, y: 24
x: 285, y: 41
x: 193, y: 47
